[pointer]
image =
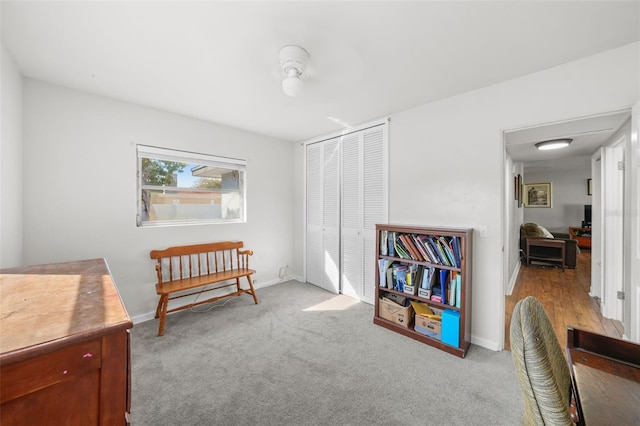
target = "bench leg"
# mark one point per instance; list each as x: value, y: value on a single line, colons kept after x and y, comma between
x: 159, y: 307
x: 162, y: 307
x: 253, y: 290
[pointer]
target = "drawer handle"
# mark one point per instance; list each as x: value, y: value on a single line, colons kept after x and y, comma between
x: 87, y: 355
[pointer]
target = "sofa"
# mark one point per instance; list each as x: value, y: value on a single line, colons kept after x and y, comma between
x: 533, y: 230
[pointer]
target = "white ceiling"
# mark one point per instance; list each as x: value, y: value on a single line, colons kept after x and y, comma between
x: 218, y: 61
x: 587, y: 134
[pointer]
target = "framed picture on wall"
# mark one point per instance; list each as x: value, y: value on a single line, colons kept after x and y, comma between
x: 519, y: 189
x: 537, y: 195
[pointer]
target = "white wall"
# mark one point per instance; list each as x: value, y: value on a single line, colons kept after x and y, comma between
x: 80, y: 187
x: 10, y: 162
x: 447, y: 158
x: 569, y: 195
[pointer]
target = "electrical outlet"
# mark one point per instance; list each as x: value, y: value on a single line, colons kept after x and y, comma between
x: 283, y: 271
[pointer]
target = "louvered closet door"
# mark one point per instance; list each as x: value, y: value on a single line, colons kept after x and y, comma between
x: 364, y: 204
x: 331, y: 216
x: 375, y: 201
x: 352, y: 271
x: 346, y: 197
x: 323, y: 191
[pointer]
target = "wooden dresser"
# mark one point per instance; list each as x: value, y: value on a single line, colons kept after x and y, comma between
x: 64, y: 346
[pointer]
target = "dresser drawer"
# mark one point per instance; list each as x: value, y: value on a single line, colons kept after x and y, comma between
x: 37, y: 373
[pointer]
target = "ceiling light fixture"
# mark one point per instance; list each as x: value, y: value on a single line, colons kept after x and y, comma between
x: 554, y: 144
x: 293, y: 60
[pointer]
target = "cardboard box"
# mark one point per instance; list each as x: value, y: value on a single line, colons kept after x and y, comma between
x: 395, y: 313
x: 451, y: 327
x: 428, y: 326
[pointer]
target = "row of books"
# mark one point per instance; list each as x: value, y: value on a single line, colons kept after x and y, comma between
x: 437, y: 250
x: 439, y: 285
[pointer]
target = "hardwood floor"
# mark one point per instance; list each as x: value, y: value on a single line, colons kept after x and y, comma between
x: 565, y: 298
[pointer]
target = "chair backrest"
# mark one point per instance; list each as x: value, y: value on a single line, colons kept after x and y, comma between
x: 542, y: 370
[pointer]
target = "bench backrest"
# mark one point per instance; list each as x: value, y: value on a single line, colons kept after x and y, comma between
x: 176, y: 263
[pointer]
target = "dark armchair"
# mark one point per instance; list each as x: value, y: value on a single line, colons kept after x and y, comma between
x: 532, y: 230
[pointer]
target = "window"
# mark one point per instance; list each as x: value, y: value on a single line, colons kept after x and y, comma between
x: 178, y: 188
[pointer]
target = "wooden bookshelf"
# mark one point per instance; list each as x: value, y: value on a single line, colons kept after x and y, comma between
x: 422, y: 258
x: 582, y: 235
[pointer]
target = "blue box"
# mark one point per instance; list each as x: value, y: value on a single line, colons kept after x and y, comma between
x: 451, y: 327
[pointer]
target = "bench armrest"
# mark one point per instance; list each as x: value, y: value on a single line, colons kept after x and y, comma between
x: 243, y: 258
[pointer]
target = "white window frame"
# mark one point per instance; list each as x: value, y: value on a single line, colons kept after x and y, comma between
x: 165, y: 154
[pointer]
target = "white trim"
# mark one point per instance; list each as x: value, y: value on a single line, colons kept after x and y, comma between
x: 190, y: 157
x: 486, y: 343
x: 347, y: 130
x: 514, y: 279
x: 612, y: 221
x: 633, y: 214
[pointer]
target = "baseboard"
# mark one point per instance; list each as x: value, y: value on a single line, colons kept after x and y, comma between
x: 257, y: 284
x: 143, y: 317
x: 488, y: 344
x: 514, y: 278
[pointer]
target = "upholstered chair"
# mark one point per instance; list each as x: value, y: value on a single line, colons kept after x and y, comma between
x: 542, y: 370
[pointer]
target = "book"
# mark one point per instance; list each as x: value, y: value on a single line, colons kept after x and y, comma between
x: 399, y: 276
x: 436, y: 250
x: 382, y: 271
x: 442, y: 251
x: 433, y: 258
x: 419, y: 273
x: 428, y: 275
x: 453, y: 282
x: 448, y: 251
x: 420, y: 248
x: 455, y: 245
x: 384, y: 247
x: 444, y: 280
x: 407, y: 241
x: 400, y: 250
x: 391, y: 241
x: 458, y: 285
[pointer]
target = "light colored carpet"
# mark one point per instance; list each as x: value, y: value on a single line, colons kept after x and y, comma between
x: 304, y: 356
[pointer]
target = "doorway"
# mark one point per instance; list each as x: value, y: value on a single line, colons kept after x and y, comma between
x: 567, y: 171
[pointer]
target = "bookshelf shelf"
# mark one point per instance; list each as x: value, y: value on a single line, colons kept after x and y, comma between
x: 419, y: 262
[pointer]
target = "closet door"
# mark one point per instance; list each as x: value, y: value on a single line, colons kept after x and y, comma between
x: 364, y: 204
x: 375, y: 184
x: 323, y: 215
x: 351, y: 217
x: 347, y: 180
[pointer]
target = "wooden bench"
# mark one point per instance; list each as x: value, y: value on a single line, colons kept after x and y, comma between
x: 185, y: 268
